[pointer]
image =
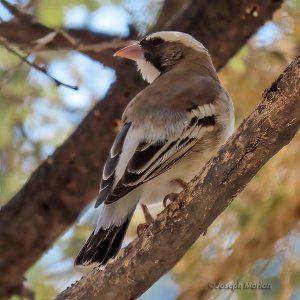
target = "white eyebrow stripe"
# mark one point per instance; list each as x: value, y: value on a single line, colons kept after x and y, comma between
x: 176, y: 36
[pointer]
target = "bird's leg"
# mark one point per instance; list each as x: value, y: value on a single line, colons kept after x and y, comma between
x: 172, y: 196
x: 148, y: 220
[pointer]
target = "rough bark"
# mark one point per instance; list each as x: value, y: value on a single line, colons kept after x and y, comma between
x: 259, y: 240
x: 170, y: 13
x: 271, y: 126
x: 62, y: 185
x: 223, y: 21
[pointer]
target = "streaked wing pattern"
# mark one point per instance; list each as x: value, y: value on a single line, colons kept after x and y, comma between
x: 152, y: 159
x: 111, y: 164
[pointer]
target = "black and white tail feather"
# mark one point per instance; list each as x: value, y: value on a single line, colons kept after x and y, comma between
x: 102, y: 245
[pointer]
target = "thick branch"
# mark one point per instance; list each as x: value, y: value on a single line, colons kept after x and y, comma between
x: 271, y: 126
x: 251, y: 245
x: 224, y: 21
x: 170, y: 13
x: 62, y: 185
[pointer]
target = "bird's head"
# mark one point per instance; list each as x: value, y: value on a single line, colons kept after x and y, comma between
x: 159, y: 52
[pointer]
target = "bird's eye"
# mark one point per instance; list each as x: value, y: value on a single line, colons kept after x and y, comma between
x: 156, y: 41
x: 150, y: 43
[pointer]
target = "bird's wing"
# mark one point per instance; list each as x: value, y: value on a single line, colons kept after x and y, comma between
x: 146, y: 159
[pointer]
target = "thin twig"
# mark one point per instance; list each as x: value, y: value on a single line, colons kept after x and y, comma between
x: 49, y: 37
x: 15, y: 11
x: 37, y: 67
x: 98, y: 47
x: 75, y: 42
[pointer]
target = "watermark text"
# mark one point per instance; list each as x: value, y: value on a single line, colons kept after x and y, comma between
x: 240, y: 285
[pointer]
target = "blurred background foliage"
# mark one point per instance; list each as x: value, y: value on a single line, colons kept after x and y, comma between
x: 36, y: 117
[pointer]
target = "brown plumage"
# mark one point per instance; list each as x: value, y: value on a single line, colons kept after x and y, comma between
x: 171, y: 129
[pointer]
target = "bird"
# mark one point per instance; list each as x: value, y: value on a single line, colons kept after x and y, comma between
x: 169, y: 131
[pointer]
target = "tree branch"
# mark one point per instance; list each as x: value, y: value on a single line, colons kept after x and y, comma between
x: 34, y: 36
x: 228, y: 22
x: 15, y: 11
x: 63, y: 184
x: 170, y: 13
x: 35, y: 66
x: 271, y: 126
x: 251, y: 245
x: 223, y: 21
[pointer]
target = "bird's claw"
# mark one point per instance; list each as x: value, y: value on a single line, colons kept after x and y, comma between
x: 171, y: 197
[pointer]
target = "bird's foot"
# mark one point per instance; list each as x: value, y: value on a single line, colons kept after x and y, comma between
x: 171, y: 197
x: 181, y: 183
x: 148, y: 220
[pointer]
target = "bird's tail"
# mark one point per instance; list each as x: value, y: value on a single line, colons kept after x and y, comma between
x: 102, y: 245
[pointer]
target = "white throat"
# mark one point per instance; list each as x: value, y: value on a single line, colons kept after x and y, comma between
x: 148, y: 71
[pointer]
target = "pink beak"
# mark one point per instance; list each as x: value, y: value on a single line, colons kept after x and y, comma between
x: 133, y: 52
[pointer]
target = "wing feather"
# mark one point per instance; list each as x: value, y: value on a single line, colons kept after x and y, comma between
x: 150, y: 159
x: 111, y: 164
